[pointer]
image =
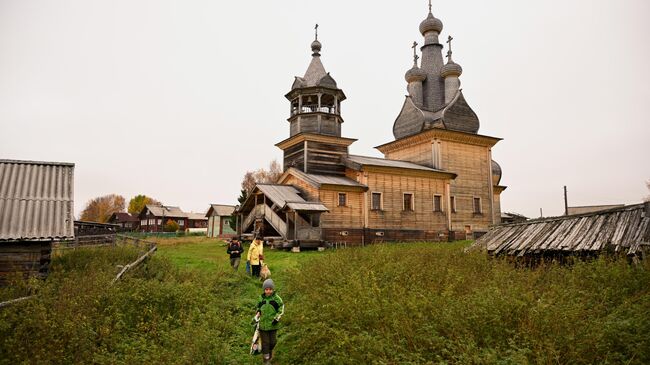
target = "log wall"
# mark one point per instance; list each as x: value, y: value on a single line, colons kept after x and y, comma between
x: 472, y: 164
x: 392, y: 216
x: 25, y: 258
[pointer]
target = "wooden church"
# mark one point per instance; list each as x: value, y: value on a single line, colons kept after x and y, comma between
x: 436, y: 182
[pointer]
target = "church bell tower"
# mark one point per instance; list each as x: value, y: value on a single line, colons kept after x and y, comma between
x: 315, y: 145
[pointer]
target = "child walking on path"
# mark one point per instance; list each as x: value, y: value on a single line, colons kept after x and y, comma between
x: 270, y: 309
x: 235, y: 250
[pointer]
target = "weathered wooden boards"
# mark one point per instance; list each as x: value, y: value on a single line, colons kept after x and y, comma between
x: 622, y: 230
x: 27, y: 258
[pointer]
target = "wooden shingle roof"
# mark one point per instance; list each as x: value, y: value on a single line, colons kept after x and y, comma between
x: 622, y: 230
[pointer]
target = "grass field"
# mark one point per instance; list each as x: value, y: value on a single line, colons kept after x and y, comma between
x: 384, y: 304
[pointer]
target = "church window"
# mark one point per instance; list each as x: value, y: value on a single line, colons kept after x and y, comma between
x: 376, y: 201
x: 477, y: 206
x: 437, y: 203
x: 159, y: 221
x: 143, y: 222
x: 453, y: 204
x: 343, y: 199
x: 436, y: 157
x: 408, y: 202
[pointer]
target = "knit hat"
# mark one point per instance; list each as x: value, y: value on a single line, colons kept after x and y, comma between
x: 268, y: 283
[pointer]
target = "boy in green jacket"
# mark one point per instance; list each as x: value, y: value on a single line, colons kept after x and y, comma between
x: 270, y: 309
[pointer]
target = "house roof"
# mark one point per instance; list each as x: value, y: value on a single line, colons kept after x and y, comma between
x: 197, y: 216
x: 124, y: 217
x: 36, y: 200
x: 167, y: 211
x: 220, y: 210
x: 625, y: 230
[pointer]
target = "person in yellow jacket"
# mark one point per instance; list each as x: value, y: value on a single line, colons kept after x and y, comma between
x: 256, y: 256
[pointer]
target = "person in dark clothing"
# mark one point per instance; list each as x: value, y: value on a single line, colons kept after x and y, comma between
x: 270, y: 309
x: 234, y: 250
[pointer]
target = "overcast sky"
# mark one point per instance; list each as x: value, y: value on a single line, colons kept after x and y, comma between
x: 177, y: 99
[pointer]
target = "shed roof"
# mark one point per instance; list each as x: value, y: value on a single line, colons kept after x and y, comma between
x: 220, y: 210
x: 625, y: 229
x: 286, y: 196
x: 36, y: 200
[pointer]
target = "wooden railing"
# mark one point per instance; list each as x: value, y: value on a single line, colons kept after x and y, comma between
x: 275, y: 220
x: 250, y: 218
x: 266, y: 212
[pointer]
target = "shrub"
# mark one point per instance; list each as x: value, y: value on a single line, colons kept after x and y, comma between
x: 171, y: 226
x: 156, y: 314
x: 434, y: 304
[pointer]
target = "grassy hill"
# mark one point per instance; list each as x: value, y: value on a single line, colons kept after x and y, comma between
x: 383, y: 304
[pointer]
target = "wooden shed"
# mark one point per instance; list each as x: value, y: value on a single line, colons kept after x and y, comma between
x: 624, y: 230
x: 36, y: 209
x: 219, y: 221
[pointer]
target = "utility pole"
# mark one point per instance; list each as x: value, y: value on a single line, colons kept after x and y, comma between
x: 566, y: 202
x: 541, y: 213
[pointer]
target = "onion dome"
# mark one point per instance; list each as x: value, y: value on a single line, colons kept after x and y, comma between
x: 431, y: 23
x: 415, y: 74
x: 451, y: 69
x: 496, y: 173
x: 316, y: 47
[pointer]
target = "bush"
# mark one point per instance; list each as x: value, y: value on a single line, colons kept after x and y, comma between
x: 171, y: 226
x: 434, y: 304
x: 156, y: 314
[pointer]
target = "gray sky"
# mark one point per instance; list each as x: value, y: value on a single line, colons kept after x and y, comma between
x: 177, y: 99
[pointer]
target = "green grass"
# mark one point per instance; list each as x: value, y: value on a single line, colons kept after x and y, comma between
x: 382, y: 304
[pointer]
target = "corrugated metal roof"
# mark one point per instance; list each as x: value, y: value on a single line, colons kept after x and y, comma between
x: 36, y: 200
x: 319, y: 180
x: 375, y: 161
x: 221, y: 210
x: 624, y: 229
x: 307, y: 206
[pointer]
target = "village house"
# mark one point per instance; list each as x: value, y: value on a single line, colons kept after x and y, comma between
x: 197, y: 222
x: 154, y: 217
x: 437, y: 180
x: 126, y: 221
x: 36, y: 210
x: 219, y: 221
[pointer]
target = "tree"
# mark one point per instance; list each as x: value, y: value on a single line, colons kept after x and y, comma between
x: 137, y: 203
x: 171, y: 226
x: 262, y: 176
x: 252, y: 178
x: 101, y: 208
